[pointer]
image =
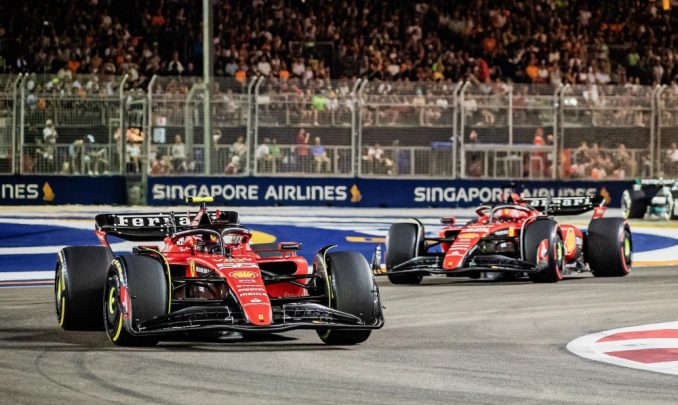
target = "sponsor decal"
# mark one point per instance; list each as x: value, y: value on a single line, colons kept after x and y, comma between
x: 468, y: 235
x: 492, y: 194
x: 22, y: 191
x: 253, y: 192
x: 242, y: 274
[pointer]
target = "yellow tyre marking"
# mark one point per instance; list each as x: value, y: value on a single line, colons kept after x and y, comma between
x: 118, y: 329
x: 63, y: 311
x: 111, y: 310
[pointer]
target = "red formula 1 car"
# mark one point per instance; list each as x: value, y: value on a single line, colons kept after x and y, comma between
x: 208, y: 277
x: 517, y: 237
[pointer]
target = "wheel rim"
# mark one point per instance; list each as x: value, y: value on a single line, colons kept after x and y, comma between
x: 559, y: 257
x: 60, y: 296
x: 627, y: 248
x: 112, y: 314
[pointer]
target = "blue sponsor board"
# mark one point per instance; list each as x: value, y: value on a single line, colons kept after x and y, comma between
x: 46, y: 190
x: 358, y: 192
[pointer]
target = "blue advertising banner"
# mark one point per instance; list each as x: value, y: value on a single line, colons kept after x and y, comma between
x: 54, y: 190
x: 358, y: 192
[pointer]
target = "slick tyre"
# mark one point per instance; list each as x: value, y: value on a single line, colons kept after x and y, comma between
x: 136, y: 290
x: 543, y: 247
x: 405, y: 241
x: 609, y: 247
x: 634, y: 203
x: 351, y: 289
x: 79, y: 279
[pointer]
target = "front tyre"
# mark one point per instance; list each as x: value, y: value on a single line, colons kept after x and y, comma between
x: 543, y: 246
x: 136, y: 290
x: 609, y: 247
x: 351, y: 288
x: 78, y: 285
x: 405, y: 242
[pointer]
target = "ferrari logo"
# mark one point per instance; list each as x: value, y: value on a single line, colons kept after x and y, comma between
x: 261, y: 317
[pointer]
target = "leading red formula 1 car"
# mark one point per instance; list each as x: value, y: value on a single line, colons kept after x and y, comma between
x: 208, y: 277
x: 517, y: 237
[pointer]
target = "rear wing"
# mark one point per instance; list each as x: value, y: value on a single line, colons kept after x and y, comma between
x: 148, y: 227
x: 565, y: 205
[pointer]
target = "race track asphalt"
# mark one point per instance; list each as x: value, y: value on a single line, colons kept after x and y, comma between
x: 446, y: 341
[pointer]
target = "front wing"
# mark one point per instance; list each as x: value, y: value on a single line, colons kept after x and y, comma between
x: 433, y: 264
x: 285, y: 317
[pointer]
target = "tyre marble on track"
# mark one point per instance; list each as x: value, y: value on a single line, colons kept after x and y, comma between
x: 446, y: 341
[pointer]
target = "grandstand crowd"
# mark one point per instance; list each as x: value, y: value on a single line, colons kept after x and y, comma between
x: 532, y: 41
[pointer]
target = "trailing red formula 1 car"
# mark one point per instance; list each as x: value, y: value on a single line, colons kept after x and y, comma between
x: 208, y: 277
x: 517, y: 237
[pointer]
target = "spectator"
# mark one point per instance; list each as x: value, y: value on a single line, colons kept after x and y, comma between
x: 94, y: 159
x: 133, y: 152
x: 538, y: 159
x: 239, y: 148
x: 263, y: 156
x: 625, y: 165
x: 178, y: 154
x: 475, y: 168
x: 233, y: 166
x: 376, y: 160
x: 276, y: 156
x: 46, y: 155
x: 302, y: 149
x: 322, y: 161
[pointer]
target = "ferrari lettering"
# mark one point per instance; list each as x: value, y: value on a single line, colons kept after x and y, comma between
x: 150, y: 220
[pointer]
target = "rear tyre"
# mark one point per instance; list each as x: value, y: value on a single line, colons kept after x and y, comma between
x: 405, y: 241
x: 634, y: 203
x: 78, y: 285
x: 609, y: 247
x: 138, y: 286
x: 351, y: 289
x: 543, y: 246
